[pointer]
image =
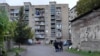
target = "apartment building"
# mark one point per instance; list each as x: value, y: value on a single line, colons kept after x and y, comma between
x: 47, y: 21
x: 72, y: 16
x: 72, y: 13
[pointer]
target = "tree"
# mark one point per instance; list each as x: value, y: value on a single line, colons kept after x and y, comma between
x: 28, y: 33
x: 4, y: 21
x: 19, y: 29
x: 85, y: 5
x: 23, y: 32
x: 11, y: 30
x: 10, y: 34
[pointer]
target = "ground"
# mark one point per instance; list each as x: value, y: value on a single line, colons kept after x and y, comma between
x: 45, y: 50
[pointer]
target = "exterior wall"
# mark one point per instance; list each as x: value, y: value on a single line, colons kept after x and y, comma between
x: 47, y: 16
x: 31, y: 15
x: 72, y: 16
x: 72, y: 13
x: 15, y: 10
x: 6, y: 7
x: 44, y: 7
x: 86, y: 32
x: 65, y: 21
x: 48, y: 22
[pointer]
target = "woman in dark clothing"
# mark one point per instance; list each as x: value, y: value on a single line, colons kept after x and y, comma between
x: 61, y: 45
x: 56, y: 46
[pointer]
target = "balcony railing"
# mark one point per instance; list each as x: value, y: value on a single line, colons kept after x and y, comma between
x: 39, y: 32
x: 42, y: 23
x: 58, y: 34
x: 52, y: 26
x: 38, y: 23
x: 52, y: 21
x: 41, y: 15
x: 39, y: 36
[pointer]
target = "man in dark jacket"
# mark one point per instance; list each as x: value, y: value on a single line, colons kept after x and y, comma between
x: 56, y: 46
x: 61, y: 45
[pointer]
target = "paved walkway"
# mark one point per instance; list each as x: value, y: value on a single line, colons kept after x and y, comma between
x: 45, y: 50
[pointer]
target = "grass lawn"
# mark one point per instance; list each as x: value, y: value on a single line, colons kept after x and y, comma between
x: 17, y: 50
x: 84, y: 53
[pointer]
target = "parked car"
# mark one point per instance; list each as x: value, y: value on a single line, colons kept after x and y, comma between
x: 47, y: 42
x: 67, y: 43
x: 30, y: 41
x: 38, y: 42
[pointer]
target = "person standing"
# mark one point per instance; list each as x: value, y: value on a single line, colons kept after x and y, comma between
x: 60, y: 45
x: 56, y: 46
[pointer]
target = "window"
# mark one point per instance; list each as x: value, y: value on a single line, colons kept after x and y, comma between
x: 12, y: 14
x: 11, y: 9
x: 26, y: 6
x: 16, y: 14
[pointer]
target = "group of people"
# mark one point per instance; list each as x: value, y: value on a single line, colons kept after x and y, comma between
x: 58, y: 45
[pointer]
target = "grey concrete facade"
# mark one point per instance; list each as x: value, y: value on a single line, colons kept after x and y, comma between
x: 72, y: 13
x: 51, y: 23
x: 86, y: 31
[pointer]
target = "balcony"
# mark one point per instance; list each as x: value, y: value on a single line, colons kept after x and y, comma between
x: 42, y: 32
x: 26, y: 13
x: 36, y: 19
x: 39, y: 19
x: 40, y: 36
x: 26, y: 18
x: 52, y: 17
x: 52, y: 26
x: 43, y: 28
x: 58, y: 26
x: 15, y: 11
x: 26, y: 8
x: 52, y: 21
x: 40, y: 15
x: 42, y: 23
x: 58, y: 34
x: 52, y: 35
x: 37, y: 27
x: 42, y: 19
x: 58, y: 17
x: 39, y: 32
x: 52, y: 30
x: 39, y: 23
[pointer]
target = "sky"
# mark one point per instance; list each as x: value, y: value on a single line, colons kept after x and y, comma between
x: 39, y: 2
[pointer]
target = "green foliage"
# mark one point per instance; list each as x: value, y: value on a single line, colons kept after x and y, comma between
x: 4, y: 52
x: 11, y: 29
x: 19, y: 29
x: 84, y: 53
x: 86, y: 5
x: 23, y: 34
x: 17, y: 50
x: 28, y: 33
x: 4, y: 21
x: 22, y: 31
